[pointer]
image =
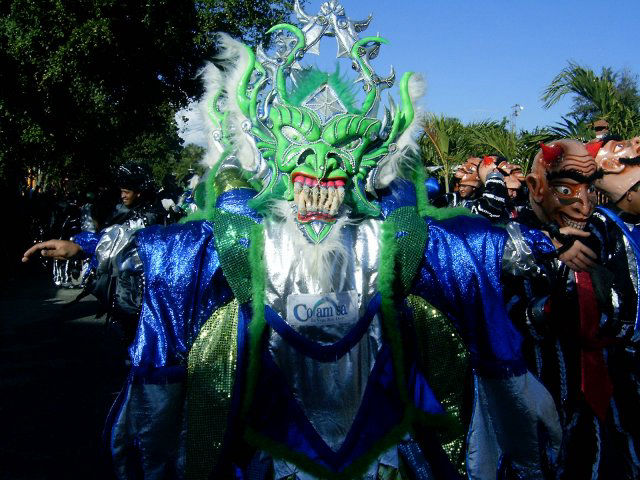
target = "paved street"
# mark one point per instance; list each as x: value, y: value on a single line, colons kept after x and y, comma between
x: 60, y: 369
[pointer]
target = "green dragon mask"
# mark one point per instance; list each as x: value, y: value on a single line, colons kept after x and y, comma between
x: 296, y: 133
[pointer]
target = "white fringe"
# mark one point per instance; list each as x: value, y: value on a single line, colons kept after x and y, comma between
x: 316, y: 260
x: 407, y: 144
x: 234, y: 61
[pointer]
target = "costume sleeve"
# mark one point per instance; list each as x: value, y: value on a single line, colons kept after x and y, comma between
x: 87, y: 241
x: 461, y: 276
x: 528, y: 267
x: 183, y: 285
x: 601, y: 240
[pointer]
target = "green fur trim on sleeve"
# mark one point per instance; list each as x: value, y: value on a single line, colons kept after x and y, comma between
x: 257, y: 326
x: 354, y: 471
x: 422, y: 199
x: 425, y: 209
x: 446, y: 212
x: 386, y: 281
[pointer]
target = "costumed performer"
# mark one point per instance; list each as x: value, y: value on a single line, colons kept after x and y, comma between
x: 291, y: 328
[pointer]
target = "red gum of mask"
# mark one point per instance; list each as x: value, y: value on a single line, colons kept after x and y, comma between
x: 312, y: 182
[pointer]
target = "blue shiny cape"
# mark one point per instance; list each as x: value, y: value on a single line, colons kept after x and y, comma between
x: 459, y: 274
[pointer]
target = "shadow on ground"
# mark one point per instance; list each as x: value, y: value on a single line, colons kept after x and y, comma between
x: 60, y: 370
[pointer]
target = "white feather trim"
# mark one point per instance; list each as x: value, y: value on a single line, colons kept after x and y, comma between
x: 194, y: 181
x: 316, y: 260
x: 406, y: 144
x: 234, y: 60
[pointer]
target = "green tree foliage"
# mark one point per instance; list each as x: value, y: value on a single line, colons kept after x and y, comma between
x: 611, y: 96
x: 442, y: 144
x: 88, y: 84
x: 518, y: 148
x: 578, y: 129
x: 446, y: 143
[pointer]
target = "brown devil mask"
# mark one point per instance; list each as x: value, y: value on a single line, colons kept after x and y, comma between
x: 619, y: 161
x: 513, y: 177
x: 560, y: 183
x: 468, y: 177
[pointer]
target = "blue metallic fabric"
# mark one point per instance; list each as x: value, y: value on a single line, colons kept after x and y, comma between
x: 633, y: 237
x: 277, y: 416
x: 433, y: 187
x: 236, y: 201
x: 144, y: 429
x: 400, y: 193
x: 184, y: 284
x: 460, y: 275
x: 540, y: 244
x: 87, y: 241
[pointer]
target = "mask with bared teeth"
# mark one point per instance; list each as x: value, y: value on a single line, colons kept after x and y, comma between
x: 560, y: 184
x: 306, y: 136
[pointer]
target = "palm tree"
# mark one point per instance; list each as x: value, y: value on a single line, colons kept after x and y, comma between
x: 443, y: 145
x: 580, y: 130
x: 446, y: 143
x: 611, y: 96
x: 518, y: 148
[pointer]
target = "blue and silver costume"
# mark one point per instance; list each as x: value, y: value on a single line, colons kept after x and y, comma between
x: 327, y: 396
x: 292, y: 328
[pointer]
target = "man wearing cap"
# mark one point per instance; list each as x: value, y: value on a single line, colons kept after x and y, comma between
x: 139, y: 206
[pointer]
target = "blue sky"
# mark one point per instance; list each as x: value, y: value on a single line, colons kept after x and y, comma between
x: 481, y: 57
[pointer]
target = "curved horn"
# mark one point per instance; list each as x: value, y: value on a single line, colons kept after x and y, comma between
x: 300, y: 13
x: 550, y: 153
x: 593, y: 148
x: 281, y: 81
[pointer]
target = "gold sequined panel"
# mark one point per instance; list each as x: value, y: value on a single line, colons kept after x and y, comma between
x: 229, y: 179
x: 211, y: 373
x: 386, y: 472
x: 444, y: 362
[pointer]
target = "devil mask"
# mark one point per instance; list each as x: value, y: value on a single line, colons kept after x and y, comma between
x: 619, y: 161
x: 560, y: 183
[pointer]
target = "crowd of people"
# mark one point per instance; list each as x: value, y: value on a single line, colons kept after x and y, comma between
x: 578, y: 316
x: 317, y: 317
x: 581, y: 325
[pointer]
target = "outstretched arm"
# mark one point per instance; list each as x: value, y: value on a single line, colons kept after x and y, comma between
x: 82, y: 244
x: 58, y: 249
x: 461, y: 275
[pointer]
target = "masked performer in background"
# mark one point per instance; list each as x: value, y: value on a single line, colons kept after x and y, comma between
x: 560, y: 311
x: 290, y: 329
x: 467, y: 188
x: 487, y: 187
x: 616, y: 228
